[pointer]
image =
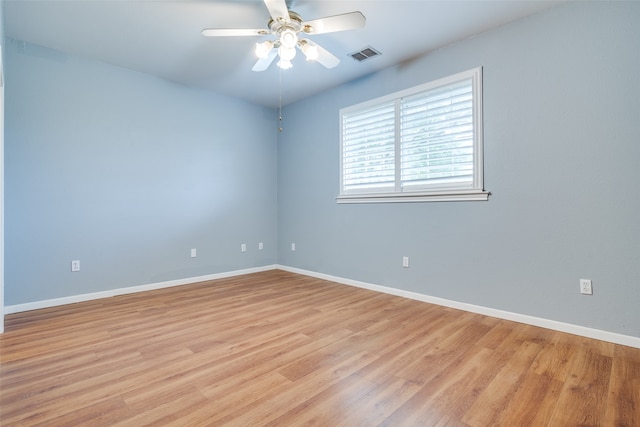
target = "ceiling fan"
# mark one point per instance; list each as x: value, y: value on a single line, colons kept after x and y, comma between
x: 288, y: 27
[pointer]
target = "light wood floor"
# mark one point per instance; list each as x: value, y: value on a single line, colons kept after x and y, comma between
x: 280, y: 349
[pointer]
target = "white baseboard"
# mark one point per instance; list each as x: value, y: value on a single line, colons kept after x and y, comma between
x: 500, y: 314
x: 130, y: 290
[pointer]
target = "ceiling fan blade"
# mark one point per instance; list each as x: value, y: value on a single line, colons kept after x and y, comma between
x: 278, y: 10
x: 325, y: 57
x: 332, y: 24
x: 263, y: 63
x: 232, y: 32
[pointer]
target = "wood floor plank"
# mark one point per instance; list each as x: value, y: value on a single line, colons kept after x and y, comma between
x: 69, y: 395
x: 555, y: 357
x: 238, y: 374
x: 300, y: 391
x: 584, y: 395
x: 379, y: 403
x: 166, y: 413
x: 497, y: 395
x: 328, y: 407
x: 224, y: 406
x: 102, y: 413
x: 432, y: 402
x: 623, y: 400
x: 541, y: 389
x: 281, y: 349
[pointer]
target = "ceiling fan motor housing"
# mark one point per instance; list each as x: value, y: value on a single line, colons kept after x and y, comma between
x: 280, y: 25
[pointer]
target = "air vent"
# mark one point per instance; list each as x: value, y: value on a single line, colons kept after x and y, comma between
x: 366, y: 53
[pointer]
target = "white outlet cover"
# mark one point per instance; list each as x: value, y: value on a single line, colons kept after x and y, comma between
x: 243, y: 247
x: 194, y: 253
x: 585, y: 287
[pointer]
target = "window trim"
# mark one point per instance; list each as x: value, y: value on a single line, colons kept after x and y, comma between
x: 474, y: 192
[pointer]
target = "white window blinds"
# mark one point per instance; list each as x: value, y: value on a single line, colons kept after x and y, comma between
x: 368, y: 156
x: 436, y: 136
x: 423, y: 140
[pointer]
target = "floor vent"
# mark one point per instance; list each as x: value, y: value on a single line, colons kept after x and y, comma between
x: 366, y: 53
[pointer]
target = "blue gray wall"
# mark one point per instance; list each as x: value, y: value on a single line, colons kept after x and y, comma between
x: 561, y: 126
x: 127, y: 173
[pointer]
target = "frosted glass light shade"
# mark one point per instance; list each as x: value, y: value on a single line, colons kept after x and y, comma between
x: 285, y: 64
x: 310, y: 51
x: 263, y: 49
x: 287, y: 53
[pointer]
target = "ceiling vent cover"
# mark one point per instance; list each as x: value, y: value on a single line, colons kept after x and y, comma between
x: 366, y: 53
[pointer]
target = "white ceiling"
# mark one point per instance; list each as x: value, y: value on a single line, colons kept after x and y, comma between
x: 162, y: 37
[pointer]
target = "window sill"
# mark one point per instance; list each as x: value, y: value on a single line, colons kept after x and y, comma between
x: 449, y: 196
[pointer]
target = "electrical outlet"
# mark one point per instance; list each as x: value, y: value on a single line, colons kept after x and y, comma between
x: 293, y: 247
x: 260, y: 246
x: 243, y: 247
x: 585, y: 287
x: 405, y: 261
x: 75, y: 265
x: 194, y: 253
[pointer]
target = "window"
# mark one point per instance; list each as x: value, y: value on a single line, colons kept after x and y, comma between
x: 421, y: 144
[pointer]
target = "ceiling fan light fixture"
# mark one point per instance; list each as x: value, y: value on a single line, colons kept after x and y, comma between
x: 263, y: 49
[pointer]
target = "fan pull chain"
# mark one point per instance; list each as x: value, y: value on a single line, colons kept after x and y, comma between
x: 280, y: 101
